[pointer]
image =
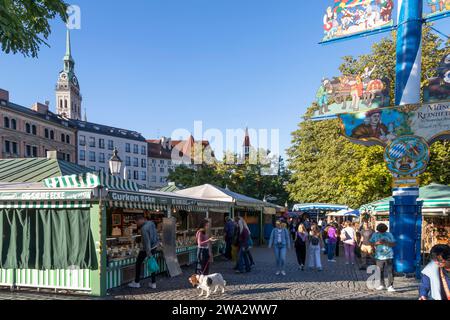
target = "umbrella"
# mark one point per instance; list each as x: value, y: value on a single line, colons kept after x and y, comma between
x: 354, y: 213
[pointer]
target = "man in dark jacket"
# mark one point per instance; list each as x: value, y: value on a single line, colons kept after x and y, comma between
x: 229, y: 233
x: 150, y: 242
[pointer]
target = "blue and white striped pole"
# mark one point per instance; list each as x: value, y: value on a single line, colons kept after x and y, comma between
x: 406, y: 210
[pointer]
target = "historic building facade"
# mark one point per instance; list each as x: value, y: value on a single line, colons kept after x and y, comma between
x: 31, y: 132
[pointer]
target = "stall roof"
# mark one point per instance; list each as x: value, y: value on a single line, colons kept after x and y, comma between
x: 433, y: 196
x: 37, y: 169
x: 319, y: 206
x: 211, y: 192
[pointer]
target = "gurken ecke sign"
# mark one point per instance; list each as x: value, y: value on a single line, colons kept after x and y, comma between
x: 406, y: 132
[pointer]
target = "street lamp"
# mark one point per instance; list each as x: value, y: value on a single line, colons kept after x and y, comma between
x: 115, y: 164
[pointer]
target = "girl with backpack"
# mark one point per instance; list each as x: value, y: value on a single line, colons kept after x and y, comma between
x: 315, y: 244
x: 301, y: 237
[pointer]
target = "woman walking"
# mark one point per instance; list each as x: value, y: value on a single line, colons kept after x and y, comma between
x: 301, y: 237
x: 348, y: 237
x: 244, y: 236
x: 332, y: 242
x: 203, y: 248
x: 315, y: 244
x: 280, y: 241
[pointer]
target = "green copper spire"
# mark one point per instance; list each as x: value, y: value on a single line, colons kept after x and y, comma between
x: 69, y: 63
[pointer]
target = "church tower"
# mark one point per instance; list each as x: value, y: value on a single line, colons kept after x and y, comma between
x: 246, y: 145
x: 68, y: 96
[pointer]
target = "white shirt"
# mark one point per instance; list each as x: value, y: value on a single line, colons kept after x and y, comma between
x: 349, y: 234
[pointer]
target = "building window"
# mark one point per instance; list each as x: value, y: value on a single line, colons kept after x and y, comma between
x: 127, y: 147
x: 33, y: 130
x: 7, y: 147
x: 68, y: 139
x: 169, y: 162
x: 101, y: 143
x: 128, y: 161
x: 143, y: 150
x: 46, y: 134
x: 135, y: 162
x: 27, y: 151
x: 92, y: 142
x: 31, y: 151
x: 35, y: 152
x: 153, y: 178
x: 82, y: 141
x: 135, y: 149
x: 63, y: 137
x: 82, y: 155
x: 110, y: 145
x: 91, y: 156
x: 27, y: 128
x: 144, y: 163
x: 101, y: 158
x: 154, y: 169
x: 68, y: 157
x: 153, y: 161
x: 13, y: 124
x: 162, y: 179
x: 143, y: 175
x: 93, y: 168
x: 6, y: 122
x: 161, y: 162
x: 136, y: 175
x: 161, y: 170
x: 52, y: 135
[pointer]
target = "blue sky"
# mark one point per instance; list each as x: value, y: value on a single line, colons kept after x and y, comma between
x: 157, y: 65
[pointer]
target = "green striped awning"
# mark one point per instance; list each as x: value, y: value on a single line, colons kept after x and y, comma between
x: 137, y: 205
x: 91, y: 180
x: 45, y: 204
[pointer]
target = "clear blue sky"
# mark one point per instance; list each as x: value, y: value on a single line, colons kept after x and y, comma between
x: 157, y: 65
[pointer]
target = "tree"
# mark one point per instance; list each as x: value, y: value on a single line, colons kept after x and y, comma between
x: 24, y: 24
x: 326, y: 167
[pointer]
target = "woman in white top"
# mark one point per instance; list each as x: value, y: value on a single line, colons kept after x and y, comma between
x: 348, y: 237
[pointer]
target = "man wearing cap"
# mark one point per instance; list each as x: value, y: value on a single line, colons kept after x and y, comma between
x: 372, y: 127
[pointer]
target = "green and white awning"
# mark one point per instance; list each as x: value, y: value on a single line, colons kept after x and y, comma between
x: 91, y: 180
x: 137, y: 205
x: 45, y: 204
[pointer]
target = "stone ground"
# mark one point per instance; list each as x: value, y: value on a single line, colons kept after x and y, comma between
x: 336, y: 282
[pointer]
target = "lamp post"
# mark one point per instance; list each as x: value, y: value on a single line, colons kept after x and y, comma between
x: 115, y: 164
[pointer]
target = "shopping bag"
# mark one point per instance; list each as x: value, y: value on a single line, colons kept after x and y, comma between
x: 152, y: 265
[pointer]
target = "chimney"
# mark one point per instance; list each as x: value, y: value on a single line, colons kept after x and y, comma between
x: 40, y: 108
x: 52, y: 155
x: 4, y: 95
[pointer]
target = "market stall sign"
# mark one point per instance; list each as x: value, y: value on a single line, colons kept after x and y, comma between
x: 46, y: 195
x: 134, y: 198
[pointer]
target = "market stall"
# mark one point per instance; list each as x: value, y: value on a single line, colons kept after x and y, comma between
x: 318, y: 211
x: 258, y: 214
x: 435, y: 214
x: 91, y: 240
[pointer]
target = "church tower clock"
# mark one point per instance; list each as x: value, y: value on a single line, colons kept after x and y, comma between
x: 68, y: 96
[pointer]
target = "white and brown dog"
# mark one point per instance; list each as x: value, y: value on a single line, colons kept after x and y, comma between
x: 207, y: 283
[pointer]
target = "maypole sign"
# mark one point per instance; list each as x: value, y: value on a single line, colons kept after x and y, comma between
x: 346, y: 18
x: 406, y: 130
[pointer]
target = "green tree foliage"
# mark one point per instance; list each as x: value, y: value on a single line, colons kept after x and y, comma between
x: 326, y: 167
x: 245, y: 178
x: 24, y: 24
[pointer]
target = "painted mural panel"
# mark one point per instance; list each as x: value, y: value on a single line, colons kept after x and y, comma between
x: 350, y: 93
x: 438, y: 88
x: 434, y: 8
x: 346, y: 18
x: 382, y: 126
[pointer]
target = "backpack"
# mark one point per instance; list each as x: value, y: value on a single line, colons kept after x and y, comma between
x: 314, y: 241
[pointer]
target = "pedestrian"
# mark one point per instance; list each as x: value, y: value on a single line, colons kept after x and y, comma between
x: 228, y: 235
x: 325, y: 238
x: 365, y: 245
x: 301, y: 238
x: 348, y: 237
x: 150, y: 242
x: 435, y: 281
x: 203, y: 243
x: 244, y: 235
x: 338, y: 228
x: 384, y: 241
x: 280, y: 241
x: 332, y: 242
x: 315, y: 244
x: 293, y: 228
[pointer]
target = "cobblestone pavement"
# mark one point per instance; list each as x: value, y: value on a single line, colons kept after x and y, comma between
x: 336, y: 282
